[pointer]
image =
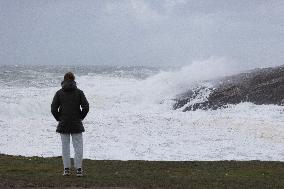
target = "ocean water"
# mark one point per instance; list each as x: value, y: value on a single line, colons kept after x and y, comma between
x: 131, y: 115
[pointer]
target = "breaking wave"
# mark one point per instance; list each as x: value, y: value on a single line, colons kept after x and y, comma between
x: 131, y: 115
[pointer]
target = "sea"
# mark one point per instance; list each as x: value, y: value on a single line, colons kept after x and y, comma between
x: 132, y: 117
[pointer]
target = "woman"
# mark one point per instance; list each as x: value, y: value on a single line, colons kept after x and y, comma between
x: 66, y: 110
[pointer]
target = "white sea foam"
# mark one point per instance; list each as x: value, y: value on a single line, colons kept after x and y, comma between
x: 133, y: 119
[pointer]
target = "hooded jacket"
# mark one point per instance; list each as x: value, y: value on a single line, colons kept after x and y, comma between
x: 69, y: 107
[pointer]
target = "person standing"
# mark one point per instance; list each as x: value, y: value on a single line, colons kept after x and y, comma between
x: 69, y: 107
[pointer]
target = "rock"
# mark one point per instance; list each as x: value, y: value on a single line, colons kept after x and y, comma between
x: 260, y: 86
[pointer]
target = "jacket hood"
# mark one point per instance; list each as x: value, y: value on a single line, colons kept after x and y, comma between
x: 68, y: 85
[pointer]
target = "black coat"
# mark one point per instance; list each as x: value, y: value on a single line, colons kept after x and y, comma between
x: 66, y: 110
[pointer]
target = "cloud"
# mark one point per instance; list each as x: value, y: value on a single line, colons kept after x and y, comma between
x: 139, y: 10
x: 141, y: 32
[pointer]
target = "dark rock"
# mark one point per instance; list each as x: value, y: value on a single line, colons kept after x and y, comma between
x: 260, y: 86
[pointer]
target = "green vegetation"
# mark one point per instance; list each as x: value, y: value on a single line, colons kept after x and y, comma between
x: 38, y: 172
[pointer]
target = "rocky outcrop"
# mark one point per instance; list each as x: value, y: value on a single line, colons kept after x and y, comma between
x: 260, y: 86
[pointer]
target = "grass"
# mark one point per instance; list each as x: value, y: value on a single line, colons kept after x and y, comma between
x: 47, y: 172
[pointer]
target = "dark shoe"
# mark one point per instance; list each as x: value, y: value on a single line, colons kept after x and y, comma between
x: 66, y: 172
x: 79, y: 172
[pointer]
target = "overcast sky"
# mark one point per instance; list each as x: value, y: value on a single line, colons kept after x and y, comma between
x: 141, y: 32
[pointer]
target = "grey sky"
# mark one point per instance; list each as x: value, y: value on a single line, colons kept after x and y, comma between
x: 145, y: 32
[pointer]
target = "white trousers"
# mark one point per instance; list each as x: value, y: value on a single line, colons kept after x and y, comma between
x: 77, y: 141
